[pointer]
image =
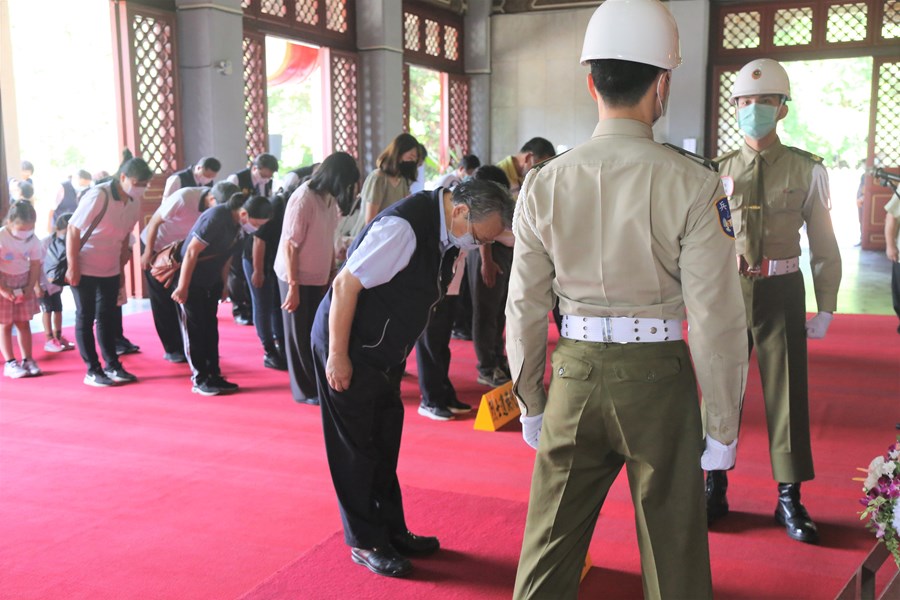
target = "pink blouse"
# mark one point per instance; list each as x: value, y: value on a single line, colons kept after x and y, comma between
x: 310, y: 222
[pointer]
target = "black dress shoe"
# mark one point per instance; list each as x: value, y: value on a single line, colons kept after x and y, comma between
x: 792, y: 514
x: 410, y: 544
x: 383, y: 561
x: 716, y: 502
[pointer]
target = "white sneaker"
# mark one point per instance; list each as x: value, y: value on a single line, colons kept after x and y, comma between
x: 14, y: 370
x: 66, y: 344
x: 53, y: 345
x: 31, y: 367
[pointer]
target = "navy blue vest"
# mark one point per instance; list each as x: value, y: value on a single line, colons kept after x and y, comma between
x: 245, y: 182
x: 187, y: 177
x: 390, y: 317
x: 68, y: 203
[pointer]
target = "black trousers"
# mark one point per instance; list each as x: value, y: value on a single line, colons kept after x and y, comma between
x: 95, y: 300
x: 462, y: 320
x: 895, y: 286
x: 165, y: 314
x: 362, y: 427
x: 200, y: 330
x: 298, y: 350
x: 489, y: 308
x: 433, y: 355
x: 238, y: 290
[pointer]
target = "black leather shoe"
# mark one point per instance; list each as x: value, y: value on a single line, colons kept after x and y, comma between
x: 792, y: 514
x: 383, y: 561
x: 410, y: 544
x: 273, y: 360
x: 716, y: 502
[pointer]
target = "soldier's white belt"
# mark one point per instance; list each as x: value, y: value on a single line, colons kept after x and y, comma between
x: 768, y: 267
x: 620, y: 330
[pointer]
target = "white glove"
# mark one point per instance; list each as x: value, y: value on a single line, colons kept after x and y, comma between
x: 531, y: 429
x: 818, y: 325
x: 718, y: 456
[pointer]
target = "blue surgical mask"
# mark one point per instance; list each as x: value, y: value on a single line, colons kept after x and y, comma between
x: 757, y: 120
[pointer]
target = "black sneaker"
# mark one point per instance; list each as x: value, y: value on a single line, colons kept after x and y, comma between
x: 97, y: 378
x: 124, y: 346
x: 120, y: 375
x: 438, y: 413
x: 457, y: 407
x: 222, y: 383
x: 205, y: 388
x: 175, y: 357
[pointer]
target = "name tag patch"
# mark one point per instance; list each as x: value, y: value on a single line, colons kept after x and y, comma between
x: 725, y: 217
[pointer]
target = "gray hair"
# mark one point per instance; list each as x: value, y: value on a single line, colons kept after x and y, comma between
x: 484, y: 198
x: 224, y: 190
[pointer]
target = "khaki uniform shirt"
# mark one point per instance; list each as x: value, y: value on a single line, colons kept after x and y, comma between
x: 795, y: 190
x: 624, y: 227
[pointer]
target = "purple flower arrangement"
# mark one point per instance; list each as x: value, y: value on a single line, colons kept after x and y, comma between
x: 882, y: 499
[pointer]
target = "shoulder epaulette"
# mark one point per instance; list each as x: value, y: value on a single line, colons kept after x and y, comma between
x: 804, y: 153
x: 726, y: 156
x: 695, y: 157
x: 543, y: 163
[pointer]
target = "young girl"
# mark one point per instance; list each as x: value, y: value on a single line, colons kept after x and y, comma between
x: 50, y: 294
x: 20, y: 264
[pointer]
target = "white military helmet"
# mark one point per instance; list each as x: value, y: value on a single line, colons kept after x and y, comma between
x: 642, y: 31
x: 761, y: 76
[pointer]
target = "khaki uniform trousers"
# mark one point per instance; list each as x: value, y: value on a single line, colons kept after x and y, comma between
x: 611, y: 405
x: 776, y: 322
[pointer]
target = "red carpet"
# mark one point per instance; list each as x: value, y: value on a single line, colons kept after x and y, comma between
x: 149, y: 491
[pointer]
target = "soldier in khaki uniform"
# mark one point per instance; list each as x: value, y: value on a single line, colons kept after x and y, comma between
x: 773, y: 191
x: 626, y: 233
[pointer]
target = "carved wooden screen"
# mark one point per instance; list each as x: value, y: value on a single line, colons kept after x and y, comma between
x: 456, y: 107
x: 806, y: 30
x: 811, y: 30
x: 433, y: 38
x: 344, y: 101
x: 884, y: 147
x: 255, y: 104
x: 322, y: 22
x: 145, y: 59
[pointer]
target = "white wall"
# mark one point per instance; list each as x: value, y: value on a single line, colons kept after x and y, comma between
x: 539, y: 88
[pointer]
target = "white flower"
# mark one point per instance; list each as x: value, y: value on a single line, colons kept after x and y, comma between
x: 875, y: 468
x: 896, y: 522
x: 894, y: 454
x: 888, y: 468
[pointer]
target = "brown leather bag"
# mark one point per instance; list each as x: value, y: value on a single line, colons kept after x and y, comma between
x: 165, y: 263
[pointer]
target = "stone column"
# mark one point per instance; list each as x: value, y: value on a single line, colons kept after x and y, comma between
x: 477, y: 55
x: 686, y: 115
x: 210, y: 67
x: 379, y: 37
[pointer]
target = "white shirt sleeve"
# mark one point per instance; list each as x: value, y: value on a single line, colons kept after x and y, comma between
x: 173, y: 184
x: 385, y: 251
x: 232, y: 179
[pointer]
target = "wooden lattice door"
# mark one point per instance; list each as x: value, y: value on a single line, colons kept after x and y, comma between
x: 884, y: 148
x: 148, y: 103
x: 255, y: 98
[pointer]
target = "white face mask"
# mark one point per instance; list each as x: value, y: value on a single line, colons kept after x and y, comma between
x: 202, y: 181
x: 249, y: 227
x: 466, y: 241
x: 133, y: 191
x: 663, y: 104
x: 22, y: 234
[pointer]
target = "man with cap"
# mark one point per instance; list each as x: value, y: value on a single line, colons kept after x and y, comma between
x: 773, y: 191
x: 627, y: 234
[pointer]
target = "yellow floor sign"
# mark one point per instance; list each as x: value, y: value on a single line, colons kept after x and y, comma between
x: 498, y: 407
